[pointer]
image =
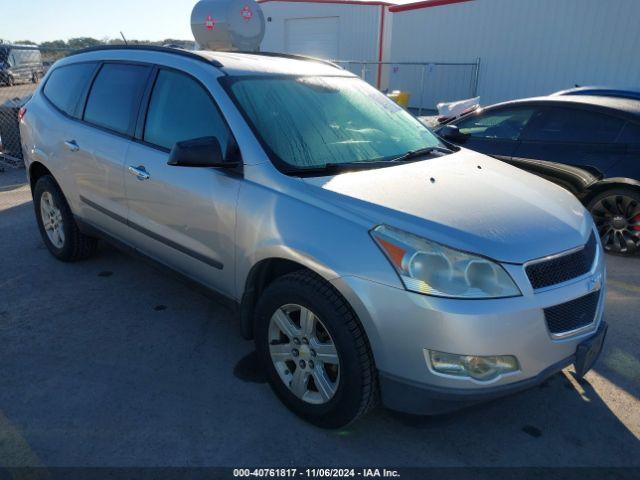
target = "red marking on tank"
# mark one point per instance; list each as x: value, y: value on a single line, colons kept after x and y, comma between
x: 246, y: 13
x: 210, y: 23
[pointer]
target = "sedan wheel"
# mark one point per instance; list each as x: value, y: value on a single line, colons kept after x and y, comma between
x: 617, y: 217
x: 303, y: 354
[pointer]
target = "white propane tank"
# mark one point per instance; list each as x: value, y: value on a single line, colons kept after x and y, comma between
x: 228, y: 25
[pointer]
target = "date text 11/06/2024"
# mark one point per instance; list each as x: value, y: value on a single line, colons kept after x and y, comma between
x: 316, y: 472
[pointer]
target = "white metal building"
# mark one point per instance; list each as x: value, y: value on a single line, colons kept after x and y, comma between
x: 332, y: 29
x: 525, y: 47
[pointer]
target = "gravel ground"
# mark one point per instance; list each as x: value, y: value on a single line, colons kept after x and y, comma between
x: 109, y: 362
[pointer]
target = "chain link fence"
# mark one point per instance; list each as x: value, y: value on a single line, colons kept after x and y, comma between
x: 21, y: 70
x: 428, y: 83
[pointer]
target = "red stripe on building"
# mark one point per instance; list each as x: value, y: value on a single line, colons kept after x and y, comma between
x: 424, y: 4
x: 380, y: 46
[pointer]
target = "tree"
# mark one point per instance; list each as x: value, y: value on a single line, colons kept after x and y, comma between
x: 54, y: 44
x: 83, y: 42
x: 25, y: 42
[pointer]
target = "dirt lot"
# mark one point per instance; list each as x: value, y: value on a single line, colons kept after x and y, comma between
x: 109, y: 362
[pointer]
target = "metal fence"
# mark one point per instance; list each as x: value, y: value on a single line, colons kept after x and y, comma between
x: 21, y: 69
x: 428, y: 83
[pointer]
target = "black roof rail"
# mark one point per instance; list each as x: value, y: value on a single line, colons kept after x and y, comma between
x: 151, y: 48
x: 305, y: 58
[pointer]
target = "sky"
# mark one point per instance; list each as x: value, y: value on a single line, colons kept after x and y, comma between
x: 45, y: 20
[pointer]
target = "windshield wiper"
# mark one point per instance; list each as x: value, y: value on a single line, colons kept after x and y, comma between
x: 421, y: 152
x: 332, y: 167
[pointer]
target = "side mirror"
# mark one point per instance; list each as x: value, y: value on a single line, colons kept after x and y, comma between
x: 451, y: 133
x: 199, y: 152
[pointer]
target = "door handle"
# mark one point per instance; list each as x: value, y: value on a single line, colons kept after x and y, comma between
x: 72, y: 145
x: 139, y: 172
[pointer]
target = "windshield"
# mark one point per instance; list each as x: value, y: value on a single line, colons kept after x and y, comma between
x: 312, y: 122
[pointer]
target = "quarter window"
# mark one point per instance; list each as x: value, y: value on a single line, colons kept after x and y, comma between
x: 181, y: 109
x: 630, y: 134
x: 115, y: 96
x: 505, y: 124
x: 573, y: 125
x: 66, y: 85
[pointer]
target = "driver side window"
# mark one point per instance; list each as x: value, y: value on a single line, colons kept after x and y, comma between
x: 504, y: 124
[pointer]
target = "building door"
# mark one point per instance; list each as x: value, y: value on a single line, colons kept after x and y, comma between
x: 316, y: 37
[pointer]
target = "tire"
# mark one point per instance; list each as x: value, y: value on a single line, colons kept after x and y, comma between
x: 356, y: 391
x: 616, y: 213
x: 72, y: 245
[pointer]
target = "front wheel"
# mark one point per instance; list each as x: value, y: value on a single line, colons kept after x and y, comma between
x: 616, y: 213
x: 317, y: 356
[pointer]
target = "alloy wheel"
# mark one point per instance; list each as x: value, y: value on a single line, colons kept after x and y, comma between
x: 52, y: 220
x: 617, y: 218
x: 304, y: 354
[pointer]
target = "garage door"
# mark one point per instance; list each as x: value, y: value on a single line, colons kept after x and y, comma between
x: 317, y: 37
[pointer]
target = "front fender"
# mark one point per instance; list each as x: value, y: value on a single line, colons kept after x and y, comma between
x: 272, y: 224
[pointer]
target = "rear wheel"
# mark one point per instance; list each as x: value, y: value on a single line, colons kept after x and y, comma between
x: 317, y: 357
x: 58, y: 228
x: 616, y: 213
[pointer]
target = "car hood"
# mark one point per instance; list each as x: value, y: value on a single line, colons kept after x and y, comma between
x: 467, y: 201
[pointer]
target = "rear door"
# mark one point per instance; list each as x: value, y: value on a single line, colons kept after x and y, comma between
x: 183, y: 216
x: 496, y: 131
x: 573, y: 136
x: 97, y: 148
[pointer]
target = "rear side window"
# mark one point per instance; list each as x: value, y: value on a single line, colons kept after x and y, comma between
x: 181, y: 109
x: 115, y: 96
x: 66, y: 85
x: 573, y: 125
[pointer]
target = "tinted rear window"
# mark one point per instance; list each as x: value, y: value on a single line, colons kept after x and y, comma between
x: 66, y: 86
x: 573, y: 125
x: 115, y: 96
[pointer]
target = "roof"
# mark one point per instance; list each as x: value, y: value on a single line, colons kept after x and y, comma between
x: 624, y: 105
x: 345, y: 2
x: 394, y: 5
x: 231, y: 63
x: 246, y: 63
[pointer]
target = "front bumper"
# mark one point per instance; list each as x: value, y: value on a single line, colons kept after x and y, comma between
x: 419, y: 399
x: 402, y: 326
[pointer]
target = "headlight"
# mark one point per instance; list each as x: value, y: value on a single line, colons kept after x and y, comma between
x: 433, y: 269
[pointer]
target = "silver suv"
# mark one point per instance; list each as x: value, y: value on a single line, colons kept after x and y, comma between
x: 365, y: 255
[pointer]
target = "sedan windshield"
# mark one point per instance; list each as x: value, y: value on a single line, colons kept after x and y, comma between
x: 317, y: 122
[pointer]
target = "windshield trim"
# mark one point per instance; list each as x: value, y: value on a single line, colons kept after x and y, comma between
x: 285, y: 167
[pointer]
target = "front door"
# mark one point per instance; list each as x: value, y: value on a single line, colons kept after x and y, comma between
x: 184, y: 217
x: 495, y: 132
